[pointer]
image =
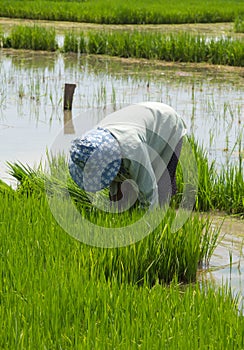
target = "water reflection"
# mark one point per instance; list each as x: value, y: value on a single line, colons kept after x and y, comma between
x: 68, y: 123
x: 227, y: 262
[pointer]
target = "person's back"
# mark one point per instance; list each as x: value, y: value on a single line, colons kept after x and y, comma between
x: 149, y: 136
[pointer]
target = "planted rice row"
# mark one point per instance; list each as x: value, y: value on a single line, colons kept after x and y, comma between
x: 121, y: 12
x: 170, y: 47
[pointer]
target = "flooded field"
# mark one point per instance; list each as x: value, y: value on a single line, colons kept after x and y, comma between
x: 227, y: 262
x: 210, y: 100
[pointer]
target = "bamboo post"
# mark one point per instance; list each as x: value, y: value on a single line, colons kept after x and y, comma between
x: 68, y: 95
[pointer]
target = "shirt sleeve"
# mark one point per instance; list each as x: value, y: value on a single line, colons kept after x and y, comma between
x: 113, y: 188
x: 141, y: 171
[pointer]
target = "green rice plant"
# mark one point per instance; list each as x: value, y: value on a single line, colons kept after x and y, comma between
x: 5, y: 187
x: 206, y: 176
x: 82, y: 43
x: 229, y: 187
x: 183, y: 47
x: 121, y: 12
x: 97, y: 43
x: 33, y: 38
x: 239, y: 25
x: 229, y: 190
x: 55, y: 292
x: 71, y: 43
x: 161, y: 256
x: 36, y: 182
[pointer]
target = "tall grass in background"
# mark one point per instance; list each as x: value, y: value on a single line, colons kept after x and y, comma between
x: 125, y: 12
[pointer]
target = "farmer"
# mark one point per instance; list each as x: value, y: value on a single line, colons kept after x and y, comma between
x: 134, y: 152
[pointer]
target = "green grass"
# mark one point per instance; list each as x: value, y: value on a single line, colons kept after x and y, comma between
x: 239, y: 25
x: 31, y: 38
x: 57, y: 293
x: 161, y: 256
x: 124, y: 12
x: 218, y: 189
x: 180, y: 47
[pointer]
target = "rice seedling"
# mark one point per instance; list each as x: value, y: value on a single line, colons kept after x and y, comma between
x: 71, y: 43
x: 170, y: 254
x: 138, y: 12
x: 182, y: 47
x: 229, y: 191
x: 207, y: 175
x: 59, y: 293
x: 169, y: 47
x: 239, y: 25
x: 173, y: 47
x: 5, y: 187
x: 31, y: 38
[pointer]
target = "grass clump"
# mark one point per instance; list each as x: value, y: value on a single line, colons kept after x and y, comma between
x: 71, y: 42
x: 31, y: 38
x: 59, y: 293
x: 160, y: 257
x: 218, y: 189
x: 239, y: 25
x: 181, y: 47
x: 229, y: 191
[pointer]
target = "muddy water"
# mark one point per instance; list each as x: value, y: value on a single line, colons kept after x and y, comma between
x: 227, y: 263
x: 211, y: 29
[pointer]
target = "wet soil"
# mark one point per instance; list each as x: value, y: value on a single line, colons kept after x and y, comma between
x: 215, y: 29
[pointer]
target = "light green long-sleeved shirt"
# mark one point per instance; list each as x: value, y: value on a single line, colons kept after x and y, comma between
x: 148, y: 134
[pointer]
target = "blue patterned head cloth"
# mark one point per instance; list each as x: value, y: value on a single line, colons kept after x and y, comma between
x: 95, y: 160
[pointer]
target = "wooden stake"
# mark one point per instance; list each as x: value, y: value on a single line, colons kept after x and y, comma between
x: 68, y: 95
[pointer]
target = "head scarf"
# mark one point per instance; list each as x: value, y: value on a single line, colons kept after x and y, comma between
x: 95, y: 160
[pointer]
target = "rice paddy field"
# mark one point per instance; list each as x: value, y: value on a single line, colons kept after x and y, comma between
x: 74, y: 276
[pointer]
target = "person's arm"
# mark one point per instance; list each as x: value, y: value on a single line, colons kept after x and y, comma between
x: 144, y: 177
x: 115, y: 193
x: 137, y: 181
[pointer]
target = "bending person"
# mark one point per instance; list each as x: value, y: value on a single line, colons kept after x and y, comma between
x: 134, y: 152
